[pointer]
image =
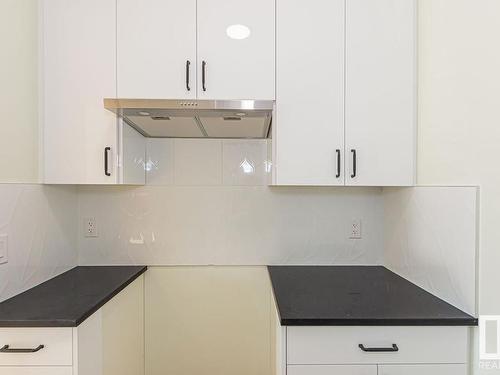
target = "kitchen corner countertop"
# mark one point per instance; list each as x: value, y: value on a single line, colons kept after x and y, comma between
x: 357, y: 296
x: 68, y: 299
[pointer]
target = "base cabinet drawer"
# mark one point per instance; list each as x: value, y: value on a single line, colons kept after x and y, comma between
x: 57, y: 346
x: 332, y: 370
x: 36, y: 370
x: 422, y: 369
x: 376, y: 345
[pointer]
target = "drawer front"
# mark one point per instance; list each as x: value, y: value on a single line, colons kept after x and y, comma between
x: 57, y: 350
x: 422, y: 369
x: 22, y: 370
x: 332, y: 370
x: 341, y: 345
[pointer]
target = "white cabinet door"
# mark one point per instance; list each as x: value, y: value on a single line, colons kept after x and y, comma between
x: 308, y: 136
x: 380, y: 116
x: 423, y: 369
x: 156, y: 49
x: 236, y: 49
x: 332, y: 370
x: 79, y: 70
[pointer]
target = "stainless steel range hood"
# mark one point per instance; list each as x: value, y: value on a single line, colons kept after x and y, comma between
x: 162, y: 118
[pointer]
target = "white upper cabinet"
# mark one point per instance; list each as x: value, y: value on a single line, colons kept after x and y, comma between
x: 346, y: 93
x: 309, y: 132
x: 380, y: 118
x: 83, y: 142
x: 79, y: 70
x: 156, y: 49
x: 188, y: 49
x: 236, y: 49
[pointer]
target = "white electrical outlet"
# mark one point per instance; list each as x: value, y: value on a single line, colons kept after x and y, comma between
x: 90, y: 227
x: 4, y: 248
x: 355, y: 229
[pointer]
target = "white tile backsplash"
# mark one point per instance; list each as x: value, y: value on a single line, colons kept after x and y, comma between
x: 208, y: 162
x: 430, y: 239
x: 197, y: 162
x: 230, y: 225
x: 41, y: 224
x: 160, y: 161
x: 245, y: 163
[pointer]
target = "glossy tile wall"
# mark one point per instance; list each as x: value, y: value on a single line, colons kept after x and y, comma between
x: 41, y: 225
x: 430, y: 238
x: 207, y: 203
x: 207, y: 162
x: 239, y: 225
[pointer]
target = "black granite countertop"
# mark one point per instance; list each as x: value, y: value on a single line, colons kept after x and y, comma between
x: 357, y: 295
x: 68, y: 299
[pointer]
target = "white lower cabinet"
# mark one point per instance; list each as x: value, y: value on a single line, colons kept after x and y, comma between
x: 423, y: 369
x: 332, y: 370
x: 56, y: 351
x: 359, y: 350
x: 341, y: 345
x: 439, y: 369
x: 109, y: 342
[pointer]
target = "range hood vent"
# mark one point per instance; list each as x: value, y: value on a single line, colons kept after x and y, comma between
x: 162, y: 118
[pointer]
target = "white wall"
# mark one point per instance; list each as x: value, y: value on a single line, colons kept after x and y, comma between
x: 19, y: 91
x: 459, y: 116
x: 40, y: 222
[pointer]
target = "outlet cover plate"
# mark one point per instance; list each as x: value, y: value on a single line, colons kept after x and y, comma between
x: 90, y: 227
x: 355, y: 229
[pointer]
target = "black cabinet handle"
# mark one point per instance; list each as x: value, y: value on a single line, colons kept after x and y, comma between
x: 203, y: 69
x: 353, y: 163
x: 7, y: 349
x: 338, y: 164
x: 188, y: 63
x: 106, y: 157
x: 378, y: 350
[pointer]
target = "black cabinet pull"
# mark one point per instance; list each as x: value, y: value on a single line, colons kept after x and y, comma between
x: 338, y: 164
x: 188, y: 63
x: 7, y: 349
x: 353, y: 163
x: 378, y: 350
x: 106, y: 157
x: 203, y: 69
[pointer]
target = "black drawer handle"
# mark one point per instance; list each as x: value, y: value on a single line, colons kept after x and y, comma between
x: 7, y: 349
x: 188, y: 63
x: 378, y: 350
x: 106, y: 161
x: 203, y: 73
x: 353, y: 175
x: 338, y: 164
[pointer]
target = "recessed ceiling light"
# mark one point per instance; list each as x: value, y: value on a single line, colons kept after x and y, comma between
x: 241, y: 114
x: 144, y: 113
